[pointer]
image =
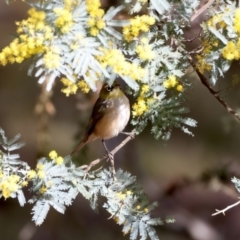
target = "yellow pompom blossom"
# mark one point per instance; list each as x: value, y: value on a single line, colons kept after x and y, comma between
x: 179, y: 88
x: 13, y: 178
x: 24, y: 183
x: 115, y: 59
x: 31, y: 174
x: 95, y: 22
x: 202, y: 65
x: 51, y: 60
x: 33, y: 32
x: 9, y: 185
x: 41, y: 174
x: 40, y: 166
x: 43, y: 189
x: 59, y: 160
x: 231, y: 51
x: 141, y: 106
x: 129, y: 192
x: 40, y: 170
x: 209, y: 45
x: 145, y: 52
x: 71, y: 88
x: 53, y: 154
x: 64, y: 20
x: 120, y: 195
x: 84, y: 87
x: 172, y: 82
x: 217, y: 21
x: 137, y: 25
x: 236, y: 21
x: 144, y: 89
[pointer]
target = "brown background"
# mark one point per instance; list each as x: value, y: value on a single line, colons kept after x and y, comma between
x: 170, y: 172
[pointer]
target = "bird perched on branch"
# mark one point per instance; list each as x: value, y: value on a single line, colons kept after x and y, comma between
x: 110, y: 116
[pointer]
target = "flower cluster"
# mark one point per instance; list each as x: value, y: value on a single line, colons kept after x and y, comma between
x: 141, y: 105
x: 71, y: 88
x: 236, y: 21
x: 144, y: 50
x: 115, y: 59
x: 39, y: 172
x: 95, y: 22
x: 137, y: 25
x: 172, y: 82
x: 54, y: 156
x: 52, y: 59
x: 9, y: 184
x: 232, y: 49
x: 33, y: 32
x: 64, y: 19
x: 209, y: 45
x: 217, y: 21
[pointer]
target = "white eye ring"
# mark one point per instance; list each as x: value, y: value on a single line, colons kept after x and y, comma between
x: 108, y: 88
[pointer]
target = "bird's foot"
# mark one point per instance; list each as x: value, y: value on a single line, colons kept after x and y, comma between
x: 111, y: 158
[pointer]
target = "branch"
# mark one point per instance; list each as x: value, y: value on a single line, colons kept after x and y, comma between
x: 201, y: 10
x: 225, y: 209
x: 204, y: 81
x: 113, y: 152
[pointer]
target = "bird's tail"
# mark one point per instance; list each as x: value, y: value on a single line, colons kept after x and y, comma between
x: 78, y: 147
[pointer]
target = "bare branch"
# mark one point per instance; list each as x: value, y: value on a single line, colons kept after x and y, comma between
x: 201, y: 10
x: 225, y: 209
x: 113, y: 152
x: 204, y: 81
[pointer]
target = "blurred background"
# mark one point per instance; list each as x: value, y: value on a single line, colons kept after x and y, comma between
x: 190, y: 177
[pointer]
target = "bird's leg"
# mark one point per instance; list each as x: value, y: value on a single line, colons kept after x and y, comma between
x: 130, y: 134
x: 111, y: 158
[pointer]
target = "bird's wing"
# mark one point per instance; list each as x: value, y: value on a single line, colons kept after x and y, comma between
x: 99, y: 109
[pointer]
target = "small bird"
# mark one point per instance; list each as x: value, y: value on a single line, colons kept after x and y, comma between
x: 110, y: 116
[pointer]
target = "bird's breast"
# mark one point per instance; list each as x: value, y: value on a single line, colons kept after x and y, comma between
x: 114, y: 120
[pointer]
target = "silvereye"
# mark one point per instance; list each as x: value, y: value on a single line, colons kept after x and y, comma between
x: 110, y: 115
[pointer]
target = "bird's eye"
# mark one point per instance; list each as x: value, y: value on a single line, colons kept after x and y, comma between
x: 108, y: 88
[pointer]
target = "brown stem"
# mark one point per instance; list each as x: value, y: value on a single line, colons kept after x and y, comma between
x: 204, y: 81
x: 113, y: 152
x: 201, y: 10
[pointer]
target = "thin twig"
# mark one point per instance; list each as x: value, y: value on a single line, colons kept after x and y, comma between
x: 201, y: 10
x: 113, y: 152
x: 199, y: 49
x: 204, y: 81
x: 225, y: 209
x: 193, y: 38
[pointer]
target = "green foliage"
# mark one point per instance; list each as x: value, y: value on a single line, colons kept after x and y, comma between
x: 54, y: 187
x: 220, y: 40
x: 57, y: 181
x: 236, y: 182
x: 13, y: 171
x: 81, y: 43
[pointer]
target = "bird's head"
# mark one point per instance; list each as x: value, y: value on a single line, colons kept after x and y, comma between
x: 111, y: 91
